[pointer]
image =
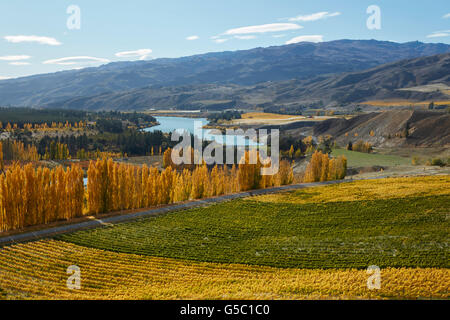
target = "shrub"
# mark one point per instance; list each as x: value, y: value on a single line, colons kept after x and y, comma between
x: 437, y: 162
x: 362, y: 146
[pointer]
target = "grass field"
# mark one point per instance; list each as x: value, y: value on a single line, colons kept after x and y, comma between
x: 311, y: 243
x: 253, y: 118
x: 360, y: 159
x: 272, y: 116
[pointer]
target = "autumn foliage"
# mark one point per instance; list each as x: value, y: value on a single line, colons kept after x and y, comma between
x: 44, y: 126
x: 17, y: 151
x: 2, y: 161
x: 113, y: 186
x: 250, y: 176
x: 322, y: 168
x: 362, y: 146
x: 30, y: 196
x: 58, y: 151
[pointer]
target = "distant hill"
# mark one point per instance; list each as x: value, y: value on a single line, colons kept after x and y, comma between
x: 302, y: 62
x: 382, y: 82
x: 391, y: 129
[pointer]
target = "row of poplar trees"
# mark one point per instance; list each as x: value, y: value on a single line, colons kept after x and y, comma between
x: 116, y: 186
x: 31, y: 196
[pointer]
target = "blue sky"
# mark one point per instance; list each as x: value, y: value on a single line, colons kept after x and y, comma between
x: 34, y: 37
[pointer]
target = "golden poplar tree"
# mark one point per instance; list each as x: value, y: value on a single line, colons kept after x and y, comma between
x: 291, y: 152
x: 322, y: 168
x: 167, y: 158
x: 2, y: 162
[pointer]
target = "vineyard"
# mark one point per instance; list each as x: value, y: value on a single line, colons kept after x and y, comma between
x: 307, y: 244
x: 347, y: 234
x: 38, y: 271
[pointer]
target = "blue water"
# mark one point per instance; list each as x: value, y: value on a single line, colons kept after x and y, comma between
x: 170, y: 124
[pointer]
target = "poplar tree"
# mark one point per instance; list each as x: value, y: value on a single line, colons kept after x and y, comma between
x: 2, y: 162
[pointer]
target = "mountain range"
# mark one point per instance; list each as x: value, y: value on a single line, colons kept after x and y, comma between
x: 342, y: 71
x: 388, y: 81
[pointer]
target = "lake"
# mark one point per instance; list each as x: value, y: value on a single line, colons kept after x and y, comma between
x: 170, y: 124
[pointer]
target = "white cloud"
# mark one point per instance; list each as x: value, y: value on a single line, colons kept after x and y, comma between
x: 68, y: 61
x: 142, y: 54
x: 315, y: 16
x: 220, y: 40
x: 245, y: 37
x: 41, y: 40
x: 190, y: 38
x: 4, y: 78
x: 272, y: 27
x: 311, y: 38
x: 19, y: 63
x: 446, y: 16
x: 14, y: 58
x: 439, y: 34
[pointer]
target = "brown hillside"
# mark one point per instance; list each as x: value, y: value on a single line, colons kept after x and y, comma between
x: 391, y: 129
